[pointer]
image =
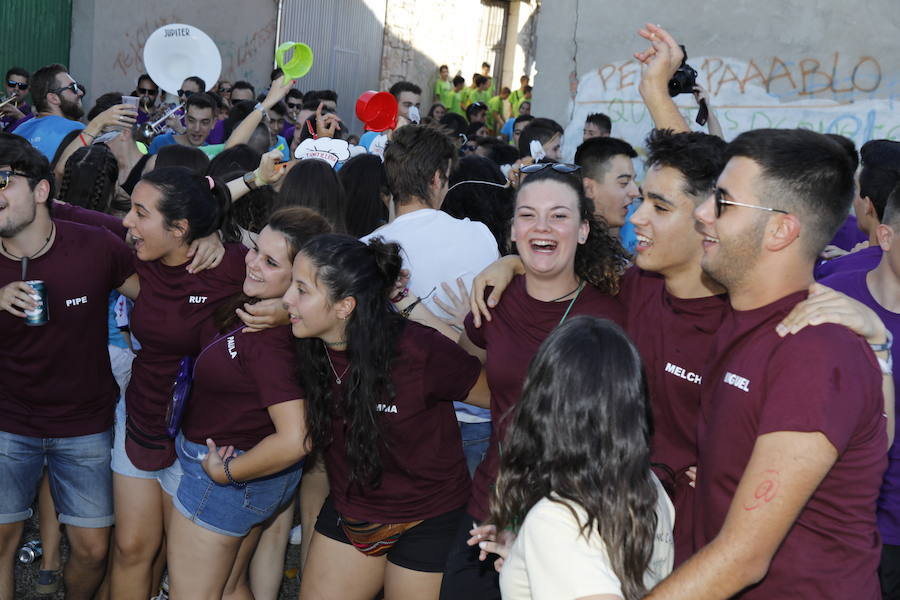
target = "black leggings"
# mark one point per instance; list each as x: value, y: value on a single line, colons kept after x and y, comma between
x: 466, y: 577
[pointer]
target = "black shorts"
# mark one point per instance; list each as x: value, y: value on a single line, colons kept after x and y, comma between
x: 424, y: 547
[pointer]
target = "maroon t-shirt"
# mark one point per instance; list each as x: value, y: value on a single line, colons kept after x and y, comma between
x: 674, y: 337
x: 237, y: 377
x: 55, y: 379
x: 424, y: 469
x: 518, y: 326
x: 167, y: 317
x: 86, y: 216
x: 823, y: 379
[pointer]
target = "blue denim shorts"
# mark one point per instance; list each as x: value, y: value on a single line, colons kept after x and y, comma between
x: 227, y: 509
x: 168, y: 478
x: 78, y: 468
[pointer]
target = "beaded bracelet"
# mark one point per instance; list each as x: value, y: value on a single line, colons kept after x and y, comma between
x: 231, y: 480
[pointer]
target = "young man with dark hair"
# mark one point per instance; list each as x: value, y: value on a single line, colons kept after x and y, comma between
x: 57, y: 102
x: 200, y: 118
x: 607, y: 173
x: 408, y: 95
x: 417, y: 163
x: 16, y: 84
x: 57, y: 392
x: 456, y: 99
x: 546, y: 132
x: 443, y: 87
x: 597, y: 125
x: 880, y: 173
x: 477, y: 112
x: 190, y: 86
x: 518, y: 95
x: 516, y: 126
x: 789, y: 467
x: 148, y: 92
x: 242, y: 90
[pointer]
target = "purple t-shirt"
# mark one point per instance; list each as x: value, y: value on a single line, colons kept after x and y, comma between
x: 861, y: 260
x: 849, y: 235
x: 217, y: 133
x: 7, y: 122
x: 55, y: 379
x: 854, y: 285
x: 823, y: 379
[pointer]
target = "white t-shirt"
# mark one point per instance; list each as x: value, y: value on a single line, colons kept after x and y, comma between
x: 552, y: 560
x: 438, y: 248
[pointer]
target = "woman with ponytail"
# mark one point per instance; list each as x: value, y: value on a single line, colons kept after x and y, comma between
x: 575, y: 485
x: 379, y: 393
x: 171, y: 207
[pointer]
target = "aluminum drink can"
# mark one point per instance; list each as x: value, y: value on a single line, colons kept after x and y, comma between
x: 41, y: 314
x: 30, y: 552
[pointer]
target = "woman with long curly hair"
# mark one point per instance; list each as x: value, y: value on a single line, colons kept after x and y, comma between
x: 592, y: 520
x: 571, y: 266
x: 379, y: 393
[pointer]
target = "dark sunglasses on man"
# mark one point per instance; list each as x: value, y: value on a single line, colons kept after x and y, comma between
x: 73, y: 87
x: 5, y: 175
x: 17, y: 84
x: 186, y: 93
x: 294, y: 105
x: 225, y: 90
x: 147, y: 91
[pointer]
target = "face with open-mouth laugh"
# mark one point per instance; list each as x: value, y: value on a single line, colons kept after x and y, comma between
x: 268, y: 266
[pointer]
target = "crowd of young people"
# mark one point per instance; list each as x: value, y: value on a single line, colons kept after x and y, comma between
x: 575, y: 422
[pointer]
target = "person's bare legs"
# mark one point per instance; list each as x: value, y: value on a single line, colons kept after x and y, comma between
x: 86, y: 566
x: 49, y: 527
x: 238, y: 585
x: 405, y: 584
x: 313, y: 491
x: 267, y: 565
x: 138, y: 535
x: 338, y: 571
x: 10, y: 537
x: 199, y: 560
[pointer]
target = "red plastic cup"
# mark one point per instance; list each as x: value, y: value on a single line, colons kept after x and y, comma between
x: 378, y: 110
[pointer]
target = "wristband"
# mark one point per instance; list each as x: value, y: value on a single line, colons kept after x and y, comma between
x: 250, y: 180
x: 262, y: 109
x: 886, y: 364
x: 85, y: 132
x: 886, y: 346
x: 81, y: 137
x: 237, y: 484
x: 400, y: 295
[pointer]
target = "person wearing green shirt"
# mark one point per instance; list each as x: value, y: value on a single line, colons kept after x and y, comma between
x: 454, y: 102
x: 515, y: 98
x: 499, y: 107
x: 526, y: 97
x: 442, y: 87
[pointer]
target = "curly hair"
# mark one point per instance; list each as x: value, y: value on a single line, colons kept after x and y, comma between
x: 580, y: 436
x: 601, y: 260
x: 90, y: 177
x: 347, y: 267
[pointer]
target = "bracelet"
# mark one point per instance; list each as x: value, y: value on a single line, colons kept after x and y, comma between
x: 262, y: 110
x: 400, y: 295
x: 81, y: 137
x: 85, y: 132
x: 237, y: 484
x: 408, y: 310
x: 886, y: 346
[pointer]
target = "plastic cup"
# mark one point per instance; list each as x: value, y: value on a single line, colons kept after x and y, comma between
x: 132, y: 101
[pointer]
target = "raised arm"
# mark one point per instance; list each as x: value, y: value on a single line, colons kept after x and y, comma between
x: 245, y: 128
x: 661, y: 60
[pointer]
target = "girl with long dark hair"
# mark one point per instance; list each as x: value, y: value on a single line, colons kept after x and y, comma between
x: 592, y: 520
x: 243, y: 431
x: 379, y: 393
x: 571, y: 266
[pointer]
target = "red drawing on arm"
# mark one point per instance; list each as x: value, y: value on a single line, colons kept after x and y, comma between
x: 765, y: 492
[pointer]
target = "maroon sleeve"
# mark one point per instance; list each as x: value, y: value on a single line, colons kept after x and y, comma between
x: 271, y: 365
x: 824, y: 379
x: 233, y: 265
x: 476, y: 334
x: 85, y: 216
x: 450, y: 371
x: 121, y: 259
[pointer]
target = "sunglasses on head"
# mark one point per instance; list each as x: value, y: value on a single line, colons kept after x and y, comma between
x: 147, y: 91
x: 185, y: 93
x: 721, y: 202
x: 72, y: 87
x: 5, y: 175
x: 558, y: 167
x: 17, y: 84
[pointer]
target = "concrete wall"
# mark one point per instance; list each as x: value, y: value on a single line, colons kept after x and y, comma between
x: 108, y: 38
x: 825, y: 65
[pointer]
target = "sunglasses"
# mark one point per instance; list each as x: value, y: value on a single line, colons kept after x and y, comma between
x: 721, y: 202
x: 149, y: 92
x: 72, y: 87
x: 5, y: 175
x: 298, y: 105
x: 17, y: 84
x: 225, y: 90
x: 558, y: 167
x: 185, y: 93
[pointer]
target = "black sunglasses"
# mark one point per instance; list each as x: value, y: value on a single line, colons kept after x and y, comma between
x: 72, y: 87
x: 225, y: 90
x: 5, y: 175
x: 558, y: 167
x: 185, y: 93
x: 147, y: 91
x: 18, y: 84
x: 294, y: 105
x: 721, y: 202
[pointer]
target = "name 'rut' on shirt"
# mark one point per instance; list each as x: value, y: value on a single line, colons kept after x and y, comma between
x: 684, y: 374
x: 197, y: 299
x: 741, y: 383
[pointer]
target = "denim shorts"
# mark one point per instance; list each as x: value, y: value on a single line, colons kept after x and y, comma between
x: 227, y: 509
x: 78, y: 468
x: 168, y: 478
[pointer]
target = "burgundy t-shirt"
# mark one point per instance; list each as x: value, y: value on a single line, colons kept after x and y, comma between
x: 55, y: 379
x: 861, y: 260
x: 674, y: 337
x: 86, y: 216
x: 854, y: 285
x: 167, y: 317
x: 823, y: 379
x: 424, y: 469
x: 237, y: 377
x: 518, y: 326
